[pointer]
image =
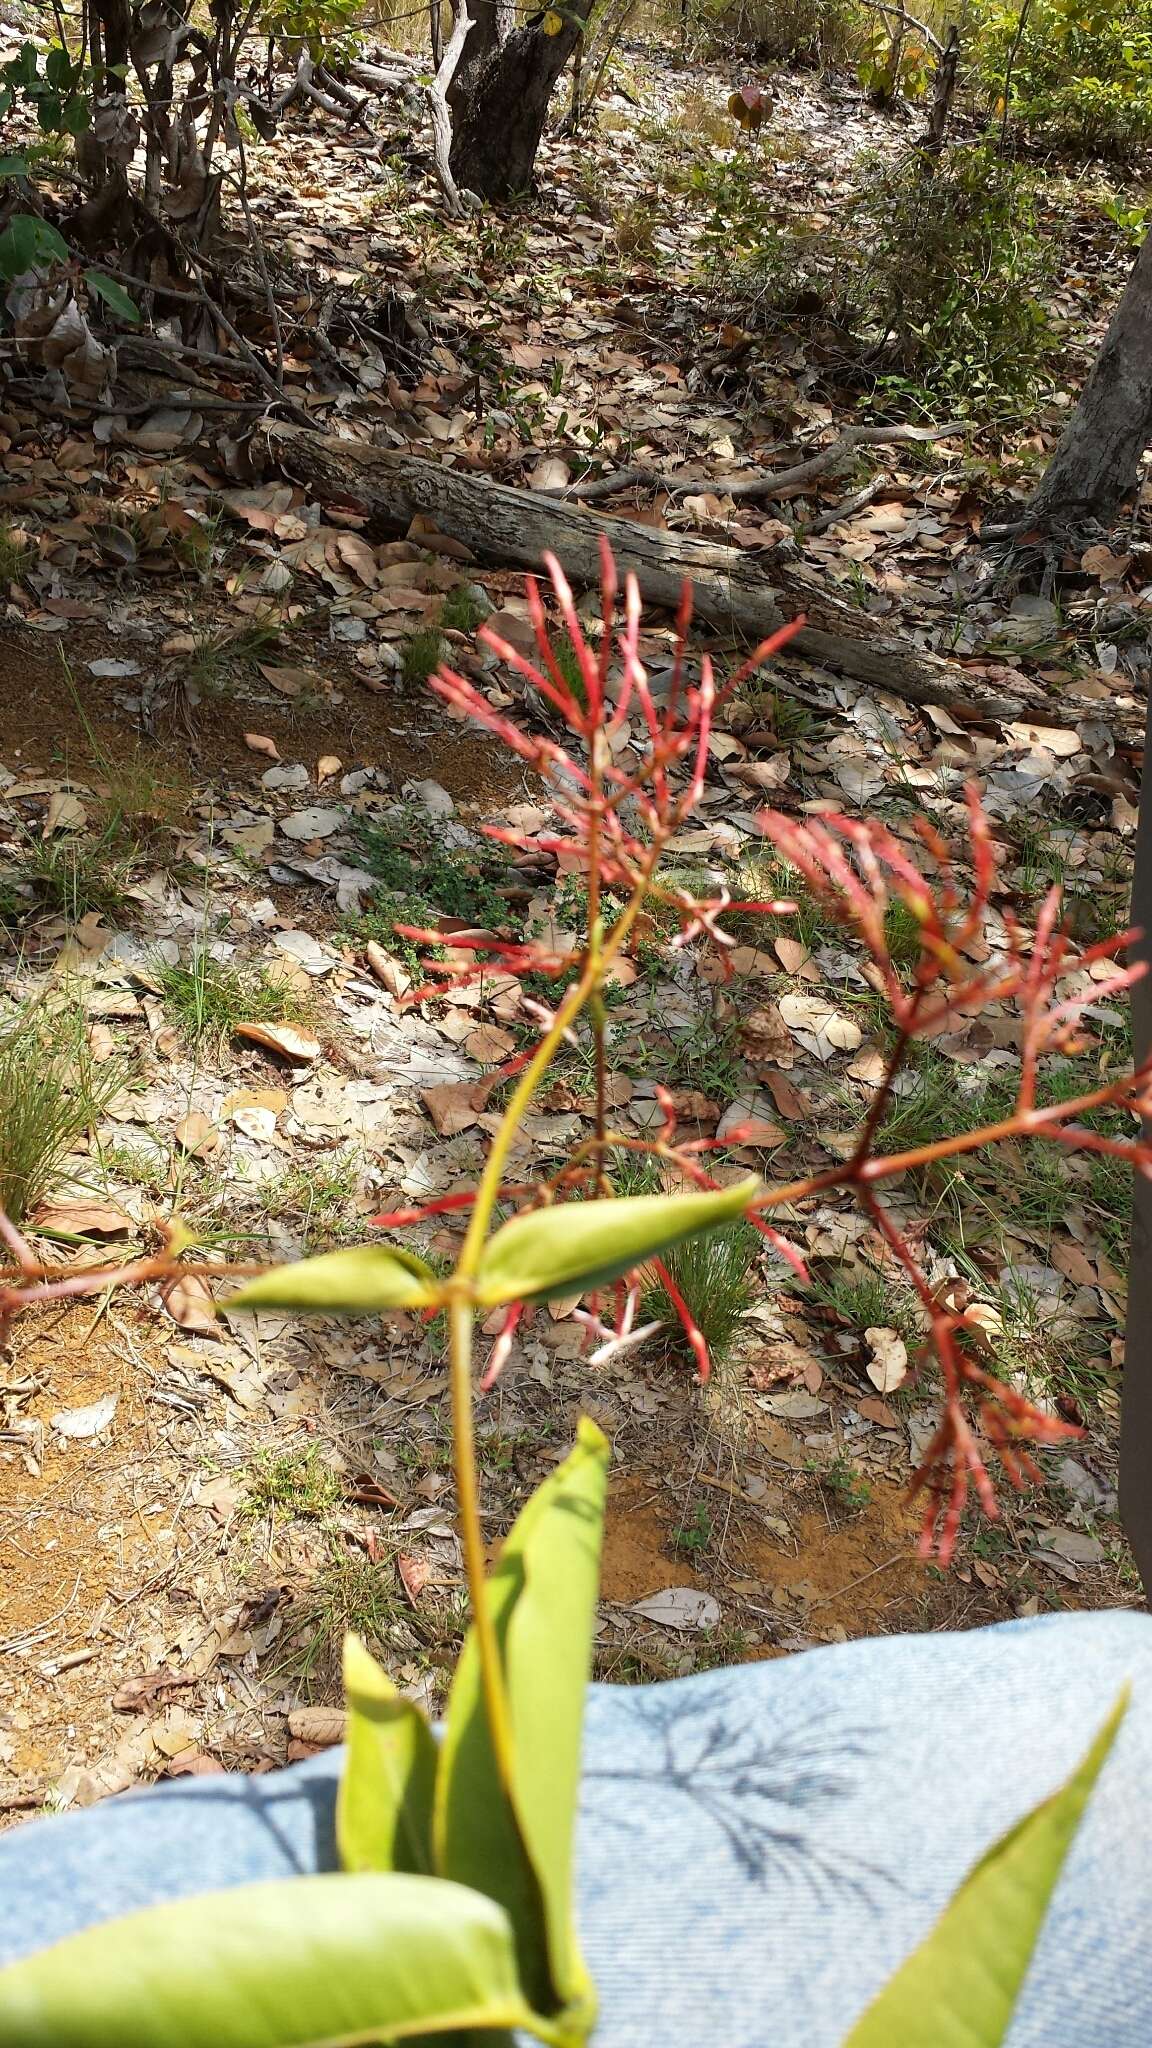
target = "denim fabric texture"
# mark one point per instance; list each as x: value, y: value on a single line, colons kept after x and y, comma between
x: 759, y: 1847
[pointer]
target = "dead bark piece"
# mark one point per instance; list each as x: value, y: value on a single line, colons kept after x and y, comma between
x: 732, y: 593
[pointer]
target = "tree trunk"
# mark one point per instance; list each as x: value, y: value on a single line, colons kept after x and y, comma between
x: 492, y: 24
x: 501, y: 105
x: 1098, y: 455
x: 733, y: 593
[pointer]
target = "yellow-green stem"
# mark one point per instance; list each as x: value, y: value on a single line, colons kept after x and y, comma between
x: 472, y: 1539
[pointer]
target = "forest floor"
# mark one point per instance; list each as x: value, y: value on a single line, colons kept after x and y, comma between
x: 223, y: 779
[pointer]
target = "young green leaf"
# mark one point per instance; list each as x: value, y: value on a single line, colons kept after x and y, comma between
x: 384, y: 1806
x: 476, y: 1834
x: 543, y: 1594
x: 580, y: 1245
x: 309, y: 1959
x: 28, y: 241
x: 113, y: 295
x: 959, y: 1988
x: 360, y: 1282
x: 548, y: 1663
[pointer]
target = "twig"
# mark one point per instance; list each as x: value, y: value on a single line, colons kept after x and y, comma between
x: 441, y: 118
x: 256, y: 244
x: 907, y: 20
x: 862, y: 1580
x: 846, y: 507
x: 259, y: 370
x: 778, y: 484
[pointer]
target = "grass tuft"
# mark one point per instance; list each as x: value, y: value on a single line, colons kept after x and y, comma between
x: 51, y: 1092
x: 208, y: 997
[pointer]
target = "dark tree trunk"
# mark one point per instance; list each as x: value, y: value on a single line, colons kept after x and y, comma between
x: 1098, y: 455
x: 492, y: 23
x: 499, y: 114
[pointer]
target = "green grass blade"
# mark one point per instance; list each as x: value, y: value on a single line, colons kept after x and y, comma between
x: 959, y: 1988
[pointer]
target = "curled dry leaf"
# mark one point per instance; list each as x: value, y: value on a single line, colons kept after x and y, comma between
x: 259, y: 743
x: 888, y: 1366
x: 298, y: 1046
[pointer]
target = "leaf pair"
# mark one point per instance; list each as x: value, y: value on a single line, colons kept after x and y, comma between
x: 540, y: 1256
x: 455, y: 1911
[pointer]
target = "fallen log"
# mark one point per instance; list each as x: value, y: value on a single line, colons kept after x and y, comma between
x: 733, y: 593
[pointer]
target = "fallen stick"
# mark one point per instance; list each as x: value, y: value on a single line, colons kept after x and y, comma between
x: 733, y: 593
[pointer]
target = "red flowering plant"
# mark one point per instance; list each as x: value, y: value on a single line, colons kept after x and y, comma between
x: 459, y: 1852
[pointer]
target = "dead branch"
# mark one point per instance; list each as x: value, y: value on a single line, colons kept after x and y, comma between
x: 733, y: 592
x: 441, y: 117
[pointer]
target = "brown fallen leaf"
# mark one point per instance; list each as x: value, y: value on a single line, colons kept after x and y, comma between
x: 83, y: 1219
x: 298, y: 1046
x: 415, y: 1573
x: 487, y: 1044
x: 196, y: 1133
x: 259, y: 743
x: 323, y: 1726
x: 188, y: 1301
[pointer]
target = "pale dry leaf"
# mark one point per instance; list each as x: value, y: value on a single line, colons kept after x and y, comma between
x: 818, y: 1027
x: 259, y: 743
x: 679, y: 1607
x: 65, y: 813
x: 327, y: 766
x: 888, y: 1366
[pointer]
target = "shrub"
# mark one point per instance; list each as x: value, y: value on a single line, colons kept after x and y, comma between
x: 818, y: 33
x: 1080, y: 76
x: 935, y: 277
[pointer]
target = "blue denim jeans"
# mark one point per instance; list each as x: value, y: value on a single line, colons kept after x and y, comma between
x: 759, y: 1848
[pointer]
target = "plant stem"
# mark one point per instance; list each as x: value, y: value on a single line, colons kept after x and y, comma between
x: 472, y: 1539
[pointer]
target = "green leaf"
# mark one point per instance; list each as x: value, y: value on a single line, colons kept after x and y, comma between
x: 76, y: 118
x: 58, y: 67
x: 959, y: 1988
x: 329, y: 1960
x: 360, y: 1282
x: 113, y: 295
x: 384, y: 1806
x: 543, y: 1598
x: 476, y: 1835
x: 12, y: 166
x: 548, y: 1663
x: 28, y: 241
x: 552, y: 1252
